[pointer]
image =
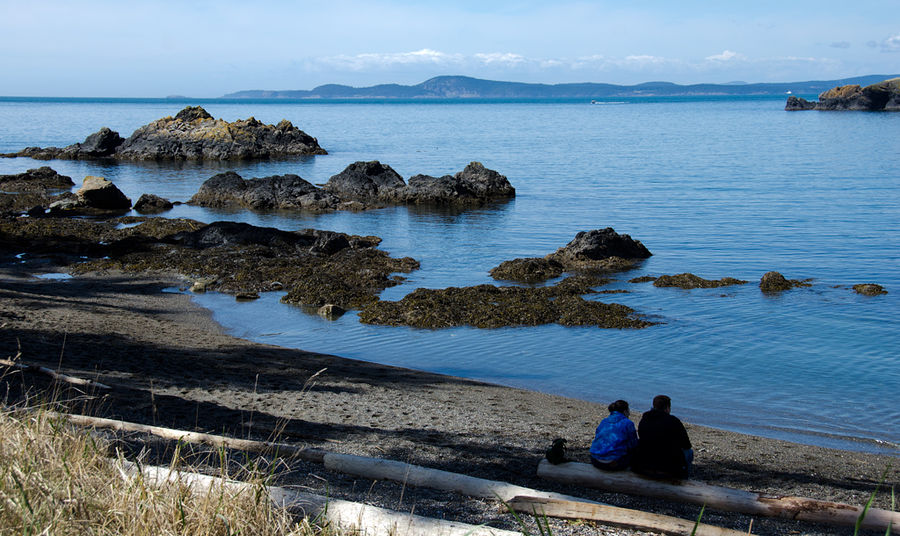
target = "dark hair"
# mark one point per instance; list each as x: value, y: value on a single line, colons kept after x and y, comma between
x: 619, y: 405
x: 662, y: 402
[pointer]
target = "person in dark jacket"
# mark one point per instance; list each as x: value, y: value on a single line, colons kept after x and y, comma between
x: 614, y: 440
x: 664, y: 449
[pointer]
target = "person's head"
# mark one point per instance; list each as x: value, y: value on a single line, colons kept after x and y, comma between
x: 619, y: 405
x: 662, y: 403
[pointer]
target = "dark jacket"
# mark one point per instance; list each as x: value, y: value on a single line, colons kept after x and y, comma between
x: 661, y: 442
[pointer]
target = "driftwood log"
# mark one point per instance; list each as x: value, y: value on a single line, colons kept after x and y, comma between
x: 717, y: 497
x: 350, y: 516
x: 613, y: 515
x: 52, y: 373
x: 249, y: 445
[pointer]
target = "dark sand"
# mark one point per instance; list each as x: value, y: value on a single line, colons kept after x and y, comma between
x: 169, y: 364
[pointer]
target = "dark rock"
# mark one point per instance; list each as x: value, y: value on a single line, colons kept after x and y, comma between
x: 152, y: 204
x: 366, y: 182
x: 246, y: 296
x: 35, y: 180
x: 102, y: 143
x: 489, y: 306
x: 689, y: 281
x: 869, y: 289
x: 192, y: 134
x: 798, y: 104
x: 643, y: 279
x: 227, y: 233
x: 275, y: 192
x: 473, y: 185
x: 600, y: 248
x: 775, y: 282
x: 329, y: 243
x: 528, y: 270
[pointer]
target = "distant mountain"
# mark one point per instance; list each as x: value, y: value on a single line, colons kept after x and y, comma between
x: 444, y: 87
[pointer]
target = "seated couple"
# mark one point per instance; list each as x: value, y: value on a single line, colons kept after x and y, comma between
x: 660, y: 448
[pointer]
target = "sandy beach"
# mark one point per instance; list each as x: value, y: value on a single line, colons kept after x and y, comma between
x: 170, y: 364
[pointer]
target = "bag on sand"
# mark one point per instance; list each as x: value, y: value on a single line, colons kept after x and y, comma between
x: 556, y: 454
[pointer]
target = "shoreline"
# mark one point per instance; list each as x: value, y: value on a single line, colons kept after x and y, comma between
x: 171, y: 364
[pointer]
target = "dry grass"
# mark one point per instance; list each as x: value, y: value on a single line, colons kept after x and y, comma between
x: 60, y: 480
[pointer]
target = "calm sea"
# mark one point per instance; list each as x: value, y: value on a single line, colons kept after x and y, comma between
x: 717, y: 187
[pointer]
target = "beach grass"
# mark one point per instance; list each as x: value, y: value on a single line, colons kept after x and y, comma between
x: 57, y: 479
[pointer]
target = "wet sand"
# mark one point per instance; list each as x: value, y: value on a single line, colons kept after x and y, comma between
x: 170, y: 364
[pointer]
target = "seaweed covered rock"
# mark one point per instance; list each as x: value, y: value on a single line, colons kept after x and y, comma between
x: 490, y: 306
x: 689, y: 281
x: 869, y: 289
x: 152, y: 204
x: 35, y: 180
x: 275, y: 192
x: 881, y: 96
x: 193, y: 134
x: 775, y: 282
x: 528, y: 270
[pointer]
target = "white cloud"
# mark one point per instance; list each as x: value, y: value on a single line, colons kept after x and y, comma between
x: 506, y: 58
x: 726, y: 55
x: 360, y: 62
x: 891, y: 44
x: 645, y: 60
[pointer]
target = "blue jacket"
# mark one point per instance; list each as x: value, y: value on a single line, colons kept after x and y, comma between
x: 615, y: 438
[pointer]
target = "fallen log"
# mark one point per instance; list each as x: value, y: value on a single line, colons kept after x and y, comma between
x: 53, y: 374
x: 613, y: 515
x: 734, y: 500
x: 249, y: 445
x: 424, y: 477
x: 353, y: 517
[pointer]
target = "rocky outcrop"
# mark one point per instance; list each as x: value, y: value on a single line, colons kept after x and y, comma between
x: 489, y: 306
x: 193, y: 134
x: 883, y: 96
x: 796, y: 104
x: 35, y: 180
x: 152, y: 204
x: 869, y: 289
x: 362, y: 185
x: 689, y: 281
x: 374, y: 182
x: 275, y: 192
x: 775, y: 282
x: 602, y: 250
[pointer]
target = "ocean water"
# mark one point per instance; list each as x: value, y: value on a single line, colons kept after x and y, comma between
x: 717, y: 187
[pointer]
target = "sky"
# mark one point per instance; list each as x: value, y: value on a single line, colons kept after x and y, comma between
x: 136, y: 48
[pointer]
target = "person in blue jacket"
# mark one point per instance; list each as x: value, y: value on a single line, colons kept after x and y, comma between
x: 614, y: 440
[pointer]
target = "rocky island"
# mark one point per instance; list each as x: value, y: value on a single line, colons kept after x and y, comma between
x: 361, y: 186
x: 883, y: 96
x: 193, y: 134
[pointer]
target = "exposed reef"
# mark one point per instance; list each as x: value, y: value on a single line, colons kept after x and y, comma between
x: 193, y: 134
x: 31, y: 191
x: 602, y: 250
x: 362, y: 185
x: 689, y: 281
x: 152, y: 204
x: 775, y: 282
x: 882, y: 96
x: 490, y: 306
x: 237, y: 258
x: 869, y: 289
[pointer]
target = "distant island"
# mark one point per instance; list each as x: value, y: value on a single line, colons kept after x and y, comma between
x: 464, y: 87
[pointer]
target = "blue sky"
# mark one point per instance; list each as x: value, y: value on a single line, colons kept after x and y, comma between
x: 209, y: 48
